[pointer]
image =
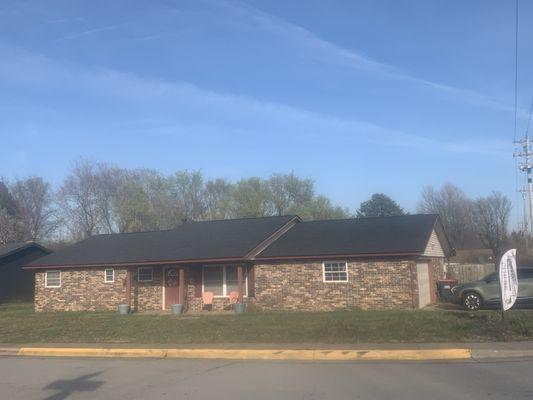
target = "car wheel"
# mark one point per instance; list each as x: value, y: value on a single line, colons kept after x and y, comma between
x: 472, y: 301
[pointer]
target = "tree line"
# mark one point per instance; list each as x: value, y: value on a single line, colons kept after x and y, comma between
x: 97, y: 198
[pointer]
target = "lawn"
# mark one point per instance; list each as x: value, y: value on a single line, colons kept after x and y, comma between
x: 19, y: 324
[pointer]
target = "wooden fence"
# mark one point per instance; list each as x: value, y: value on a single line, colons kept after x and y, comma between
x: 468, y: 272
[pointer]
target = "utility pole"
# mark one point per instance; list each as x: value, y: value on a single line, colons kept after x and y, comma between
x: 526, y: 166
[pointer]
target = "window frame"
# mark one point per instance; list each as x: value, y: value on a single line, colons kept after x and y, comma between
x: 105, y: 275
x: 46, y: 278
x: 334, y: 262
x: 145, y: 280
x: 225, y: 293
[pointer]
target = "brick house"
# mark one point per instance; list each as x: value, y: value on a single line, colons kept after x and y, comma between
x: 271, y: 262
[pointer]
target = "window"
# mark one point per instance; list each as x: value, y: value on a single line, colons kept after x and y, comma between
x: 145, y: 274
x: 52, y: 279
x: 335, y: 272
x: 109, y: 275
x: 222, y: 280
x: 525, y: 273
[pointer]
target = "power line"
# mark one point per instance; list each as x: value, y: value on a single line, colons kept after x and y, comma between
x: 516, y: 72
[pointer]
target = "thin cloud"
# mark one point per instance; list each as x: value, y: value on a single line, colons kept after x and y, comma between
x: 328, y: 52
x: 92, y: 31
x: 226, y: 112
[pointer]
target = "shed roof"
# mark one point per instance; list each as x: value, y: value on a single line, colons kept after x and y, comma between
x: 12, y: 248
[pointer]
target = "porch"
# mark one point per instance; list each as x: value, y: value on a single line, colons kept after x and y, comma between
x: 157, y: 288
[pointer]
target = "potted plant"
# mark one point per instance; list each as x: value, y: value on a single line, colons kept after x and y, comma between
x: 123, y: 309
x: 239, y: 308
x: 177, y: 309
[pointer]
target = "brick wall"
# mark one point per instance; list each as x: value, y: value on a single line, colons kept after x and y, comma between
x: 380, y: 284
x: 86, y: 290
x: 299, y: 286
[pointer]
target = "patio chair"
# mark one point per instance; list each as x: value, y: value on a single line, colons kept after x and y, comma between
x: 207, y: 300
x: 233, y: 297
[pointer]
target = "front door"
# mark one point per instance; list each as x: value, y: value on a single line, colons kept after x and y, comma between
x: 171, y: 287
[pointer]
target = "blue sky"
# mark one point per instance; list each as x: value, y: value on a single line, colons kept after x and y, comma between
x: 361, y: 96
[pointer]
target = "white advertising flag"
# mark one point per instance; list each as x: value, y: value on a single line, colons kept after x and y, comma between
x: 508, y: 279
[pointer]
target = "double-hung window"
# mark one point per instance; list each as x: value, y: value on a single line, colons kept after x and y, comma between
x: 145, y: 274
x: 335, y: 271
x: 52, y: 279
x: 109, y: 275
x: 222, y: 280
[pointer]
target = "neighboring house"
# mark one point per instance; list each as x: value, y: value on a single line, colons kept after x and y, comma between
x: 16, y: 284
x: 470, y: 265
x: 277, y: 262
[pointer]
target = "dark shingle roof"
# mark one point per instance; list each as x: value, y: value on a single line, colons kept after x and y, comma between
x: 191, y: 241
x: 11, y: 248
x: 379, y: 235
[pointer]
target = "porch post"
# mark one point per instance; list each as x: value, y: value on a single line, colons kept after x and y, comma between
x: 240, y: 283
x: 128, y: 287
x: 181, y: 293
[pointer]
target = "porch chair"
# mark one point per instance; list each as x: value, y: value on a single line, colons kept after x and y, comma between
x: 233, y: 297
x: 207, y: 300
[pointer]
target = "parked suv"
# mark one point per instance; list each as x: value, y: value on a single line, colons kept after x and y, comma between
x: 486, y: 292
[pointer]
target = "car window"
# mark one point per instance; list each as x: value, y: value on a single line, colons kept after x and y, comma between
x: 491, y: 277
x: 525, y: 274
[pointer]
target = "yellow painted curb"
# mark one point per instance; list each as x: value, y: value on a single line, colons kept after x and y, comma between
x: 255, y: 354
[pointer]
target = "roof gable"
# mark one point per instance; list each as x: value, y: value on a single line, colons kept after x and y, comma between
x: 434, y: 247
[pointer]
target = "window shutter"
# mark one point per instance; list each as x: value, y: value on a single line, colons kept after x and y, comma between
x: 251, y: 281
x: 198, y: 281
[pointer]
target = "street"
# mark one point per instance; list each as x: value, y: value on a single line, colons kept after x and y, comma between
x: 65, y: 378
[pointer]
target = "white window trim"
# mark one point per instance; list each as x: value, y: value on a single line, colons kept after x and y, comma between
x: 46, y: 279
x: 139, y: 274
x: 334, y: 262
x: 225, y: 293
x: 105, y: 275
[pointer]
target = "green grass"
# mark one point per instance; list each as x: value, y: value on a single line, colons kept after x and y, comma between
x: 19, y: 324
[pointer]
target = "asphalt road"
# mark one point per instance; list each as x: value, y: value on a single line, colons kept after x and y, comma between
x: 56, y: 379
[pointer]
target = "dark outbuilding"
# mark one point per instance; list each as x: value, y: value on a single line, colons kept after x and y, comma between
x: 16, y: 284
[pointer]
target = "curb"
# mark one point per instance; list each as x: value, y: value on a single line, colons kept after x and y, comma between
x: 254, y: 354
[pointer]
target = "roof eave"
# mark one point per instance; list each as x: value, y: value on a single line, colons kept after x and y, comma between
x: 336, y: 256
x: 138, y: 263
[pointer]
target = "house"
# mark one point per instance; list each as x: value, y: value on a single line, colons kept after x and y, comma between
x: 469, y: 265
x: 272, y: 262
x: 16, y: 284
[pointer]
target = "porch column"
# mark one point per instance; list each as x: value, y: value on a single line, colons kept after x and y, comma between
x: 240, y: 283
x: 128, y: 287
x: 181, y: 293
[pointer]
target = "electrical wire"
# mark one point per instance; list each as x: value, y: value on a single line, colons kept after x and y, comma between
x: 516, y: 72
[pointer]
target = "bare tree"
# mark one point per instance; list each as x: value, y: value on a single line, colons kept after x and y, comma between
x: 217, y: 199
x: 288, y: 192
x: 455, y: 210
x: 79, y: 201
x: 491, y: 217
x: 188, y: 189
x: 10, y: 230
x: 33, y: 200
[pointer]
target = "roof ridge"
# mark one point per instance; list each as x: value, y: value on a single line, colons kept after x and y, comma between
x: 188, y: 222
x: 243, y: 218
x: 376, y: 217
